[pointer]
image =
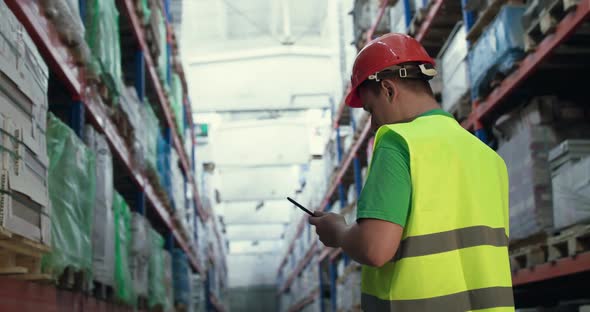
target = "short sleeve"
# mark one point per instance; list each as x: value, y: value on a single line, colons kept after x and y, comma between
x: 386, y: 194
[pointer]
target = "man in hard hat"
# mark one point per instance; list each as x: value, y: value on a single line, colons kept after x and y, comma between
x: 432, y: 220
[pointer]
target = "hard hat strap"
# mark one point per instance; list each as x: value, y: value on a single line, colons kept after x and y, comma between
x: 422, y: 72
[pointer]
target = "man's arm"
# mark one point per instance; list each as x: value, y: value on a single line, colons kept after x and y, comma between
x: 370, y: 241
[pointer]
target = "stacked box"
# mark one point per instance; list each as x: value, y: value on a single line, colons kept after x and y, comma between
x: 500, y: 46
x: 177, y: 102
x: 103, y: 226
x: 139, y: 120
x: 23, y: 153
x: 453, y: 68
x: 72, y: 189
x: 529, y: 135
x: 571, y: 183
x: 140, y: 253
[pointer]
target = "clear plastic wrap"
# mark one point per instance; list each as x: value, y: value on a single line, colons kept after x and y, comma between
x: 124, y: 286
x: 453, y: 68
x: 178, y: 185
x: 140, y: 252
x: 143, y: 8
x: 72, y: 189
x: 103, y: 239
x: 151, y: 130
x: 65, y: 15
x: 156, y: 288
x: 103, y: 38
x: 177, y: 102
x: 497, y: 50
x: 571, y: 194
x: 168, y: 281
x: 181, y: 272
x: 162, y: 61
x: 163, y: 165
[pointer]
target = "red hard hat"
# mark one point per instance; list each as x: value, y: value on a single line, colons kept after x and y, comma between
x: 381, y: 53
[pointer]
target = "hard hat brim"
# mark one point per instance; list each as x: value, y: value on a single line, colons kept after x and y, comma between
x: 353, y: 99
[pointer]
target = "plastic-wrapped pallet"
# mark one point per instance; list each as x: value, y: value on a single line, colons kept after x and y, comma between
x: 156, y: 286
x: 529, y: 135
x: 65, y: 15
x: 164, y: 165
x: 177, y: 101
x: 181, y: 275
x: 162, y: 60
x: 142, y: 7
x: 497, y: 50
x: 453, y: 68
x: 151, y: 130
x: 400, y: 17
x: 571, y: 183
x: 168, y: 281
x: 102, y: 36
x: 103, y: 225
x: 178, y: 185
x: 124, y: 286
x: 135, y: 111
x: 140, y: 252
x: 72, y: 189
x: 198, y: 293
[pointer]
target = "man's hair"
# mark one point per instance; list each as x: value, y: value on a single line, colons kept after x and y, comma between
x: 415, y: 85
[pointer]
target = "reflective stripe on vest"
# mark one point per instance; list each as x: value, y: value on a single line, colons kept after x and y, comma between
x: 485, y: 298
x: 453, y: 255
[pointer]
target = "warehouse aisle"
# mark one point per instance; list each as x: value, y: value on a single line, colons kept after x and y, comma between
x: 147, y: 147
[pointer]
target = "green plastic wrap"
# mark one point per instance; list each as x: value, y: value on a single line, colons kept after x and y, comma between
x: 144, y: 9
x: 123, y: 283
x: 156, y: 289
x: 72, y: 189
x: 152, y: 129
x: 176, y: 101
x: 102, y: 36
x: 163, y: 57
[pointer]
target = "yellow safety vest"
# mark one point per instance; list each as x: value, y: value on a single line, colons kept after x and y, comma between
x: 453, y: 255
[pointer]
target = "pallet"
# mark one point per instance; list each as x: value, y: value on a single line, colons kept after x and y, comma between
x: 103, y: 291
x: 569, y: 242
x: 547, y: 22
x: 528, y: 257
x: 486, y: 17
x: 20, y: 257
x: 143, y: 303
x: 73, y: 280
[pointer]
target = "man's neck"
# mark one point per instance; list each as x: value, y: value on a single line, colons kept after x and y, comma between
x: 415, y: 108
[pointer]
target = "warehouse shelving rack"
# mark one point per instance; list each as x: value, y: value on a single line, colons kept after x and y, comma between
x: 436, y: 21
x: 85, y: 103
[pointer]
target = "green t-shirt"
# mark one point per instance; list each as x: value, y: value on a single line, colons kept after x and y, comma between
x: 387, y: 192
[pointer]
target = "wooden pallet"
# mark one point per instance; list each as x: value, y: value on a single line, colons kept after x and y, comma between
x: 569, y: 242
x: 103, y: 291
x: 546, y: 22
x: 142, y: 303
x: 74, y: 280
x: 21, y: 257
x: 528, y: 257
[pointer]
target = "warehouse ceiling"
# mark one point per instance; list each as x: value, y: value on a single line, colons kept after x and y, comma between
x: 263, y: 74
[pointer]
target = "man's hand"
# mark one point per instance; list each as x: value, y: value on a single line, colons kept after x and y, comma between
x: 330, y: 227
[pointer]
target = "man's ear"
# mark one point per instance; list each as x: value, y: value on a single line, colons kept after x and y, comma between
x: 389, y: 88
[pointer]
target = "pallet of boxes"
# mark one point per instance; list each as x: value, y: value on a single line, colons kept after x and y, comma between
x: 25, y: 226
x: 545, y: 147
